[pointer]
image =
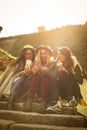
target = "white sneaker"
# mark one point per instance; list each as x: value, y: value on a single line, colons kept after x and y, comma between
x: 55, y: 109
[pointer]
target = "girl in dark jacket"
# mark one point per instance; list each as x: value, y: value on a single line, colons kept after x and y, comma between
x: 69, y: 75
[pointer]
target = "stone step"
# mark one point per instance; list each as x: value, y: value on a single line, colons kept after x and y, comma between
x: 36, y: 107
x: 11, y: 125
x: 42, y: 127
x: 5, y: 124
x: 43, y: 119
x: 69, y: 117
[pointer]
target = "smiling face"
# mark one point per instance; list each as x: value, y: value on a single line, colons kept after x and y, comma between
x: 60, y: 56
x: 28, y: 54
x: 43, y: 56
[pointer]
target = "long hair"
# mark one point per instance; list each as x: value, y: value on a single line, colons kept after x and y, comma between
x: 48, y: 55
x: 69, y: 58
x: 21, y: 56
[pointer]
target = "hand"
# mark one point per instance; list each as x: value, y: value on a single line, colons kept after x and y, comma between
x: 36, y: 69
x: 62, y: 68
x: 27, y: 70
x: 44, y: 68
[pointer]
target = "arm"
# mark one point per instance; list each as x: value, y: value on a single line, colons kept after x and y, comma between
x: 78, y: 74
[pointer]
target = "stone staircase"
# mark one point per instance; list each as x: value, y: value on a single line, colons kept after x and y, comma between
x: 19, y: 120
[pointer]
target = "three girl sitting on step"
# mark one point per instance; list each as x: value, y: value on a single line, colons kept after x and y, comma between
x: 49, y: 79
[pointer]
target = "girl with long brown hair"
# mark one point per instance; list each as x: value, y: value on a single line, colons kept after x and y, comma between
x: 18, y: 65
x: 69, y: 76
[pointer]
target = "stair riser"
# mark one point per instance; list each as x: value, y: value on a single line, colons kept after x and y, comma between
x: 45, y: 119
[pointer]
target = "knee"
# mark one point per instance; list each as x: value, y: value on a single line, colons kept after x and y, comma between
x: 35, y: 78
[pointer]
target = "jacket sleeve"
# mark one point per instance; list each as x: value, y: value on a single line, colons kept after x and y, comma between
x: 5, y: 74
x: 78, y: 74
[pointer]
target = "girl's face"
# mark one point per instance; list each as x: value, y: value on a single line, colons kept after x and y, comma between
x: 43, y: 56
x: 28, y: 55
x: 60, y: 56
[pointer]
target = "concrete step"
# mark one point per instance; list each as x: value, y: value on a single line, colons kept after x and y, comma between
x: 5, y: 124
x: 42, y: 127
x: 43, y: 119
x: 19, y: 120
x: 36, y: 107
x: 11, y: 125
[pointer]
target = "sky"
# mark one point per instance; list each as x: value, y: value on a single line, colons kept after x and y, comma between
x: 25, y: 16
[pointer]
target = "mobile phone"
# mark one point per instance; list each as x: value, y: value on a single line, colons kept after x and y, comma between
x: 28, y: 62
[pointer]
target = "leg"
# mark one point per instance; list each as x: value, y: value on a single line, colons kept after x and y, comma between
x: 65, y: 85
x: 45, y: 83
x: 44, y: 88
x: 13, y: 94
x: 34, y: 87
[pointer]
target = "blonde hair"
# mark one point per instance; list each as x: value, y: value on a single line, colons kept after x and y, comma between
x: 48, y: 55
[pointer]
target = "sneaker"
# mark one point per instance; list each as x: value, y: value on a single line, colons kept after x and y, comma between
x: 55, y: 109
x: 73, y: 101
x: 65, y: 104
x: 70, y: 102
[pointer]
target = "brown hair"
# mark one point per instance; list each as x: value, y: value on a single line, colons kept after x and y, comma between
x: 21, y: 56
x: 68, y: 58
